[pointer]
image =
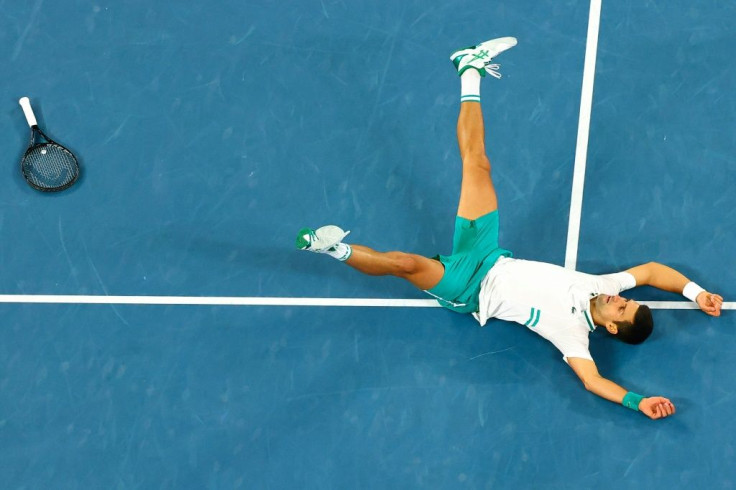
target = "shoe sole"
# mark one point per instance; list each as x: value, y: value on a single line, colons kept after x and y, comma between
x: 328, y: 237
x: 490, y: 45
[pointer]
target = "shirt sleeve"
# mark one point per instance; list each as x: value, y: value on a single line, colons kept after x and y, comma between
x: 615, y: 283
x: 572, y: 345
x: 581, y: 355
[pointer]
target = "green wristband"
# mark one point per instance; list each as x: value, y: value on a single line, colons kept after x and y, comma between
x: 632, y: 400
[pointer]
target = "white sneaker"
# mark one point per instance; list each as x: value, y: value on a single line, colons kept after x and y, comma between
x: 320, y: 240
x: 480, y: 56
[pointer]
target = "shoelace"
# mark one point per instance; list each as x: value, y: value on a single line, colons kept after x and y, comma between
x: 492, y: 70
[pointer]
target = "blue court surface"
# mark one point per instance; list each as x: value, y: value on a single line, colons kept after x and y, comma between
x: 209, y: 134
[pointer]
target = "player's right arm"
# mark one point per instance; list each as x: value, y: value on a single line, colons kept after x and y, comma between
x: 655, y: 407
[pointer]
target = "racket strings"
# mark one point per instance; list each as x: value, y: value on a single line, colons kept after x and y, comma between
x: 50, y: 166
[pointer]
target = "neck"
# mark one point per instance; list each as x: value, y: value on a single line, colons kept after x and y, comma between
x: 594, y: 312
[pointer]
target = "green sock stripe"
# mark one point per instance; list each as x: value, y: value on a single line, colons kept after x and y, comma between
x: 470, y: 98
x: 347, y: 255
x: 468, y: 67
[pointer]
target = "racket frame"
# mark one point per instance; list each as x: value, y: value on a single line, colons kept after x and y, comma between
x: 36, y: 130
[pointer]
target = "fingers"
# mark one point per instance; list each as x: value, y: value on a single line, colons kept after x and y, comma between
x: 660, y: 408
x: 667, y: 408
x: 655, y: 412
x: 712, y: 304
x: 715, y: 300
x: 713, y: 311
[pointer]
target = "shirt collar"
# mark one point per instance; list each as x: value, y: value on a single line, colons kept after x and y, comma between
x: 591, y: 325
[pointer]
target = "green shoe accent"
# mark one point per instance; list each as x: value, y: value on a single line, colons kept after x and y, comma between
x: 305, y: 238
x: 457, y: 59
x: 320, y: 240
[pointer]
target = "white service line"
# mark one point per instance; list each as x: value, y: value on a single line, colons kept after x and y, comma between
x: 269, y: 301
x: 581, y: 150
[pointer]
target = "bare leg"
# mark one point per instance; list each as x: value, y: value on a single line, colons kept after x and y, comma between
x: 422, y: 272
x: 477, y: 194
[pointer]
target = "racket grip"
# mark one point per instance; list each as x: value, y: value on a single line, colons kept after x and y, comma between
x: 25, y: 103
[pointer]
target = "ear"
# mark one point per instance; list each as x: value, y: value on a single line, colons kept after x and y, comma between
x: 612, y: 328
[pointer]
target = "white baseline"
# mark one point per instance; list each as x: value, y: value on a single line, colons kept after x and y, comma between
x: 269, y: 301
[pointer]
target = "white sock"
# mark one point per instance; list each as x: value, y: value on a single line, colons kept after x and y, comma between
x: 470, y: 86
x: 341, y: 251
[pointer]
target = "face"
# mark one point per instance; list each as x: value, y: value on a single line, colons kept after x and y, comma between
x: 615, y: 309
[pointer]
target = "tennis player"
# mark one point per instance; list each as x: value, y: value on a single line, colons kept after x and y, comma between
x: 482, y: 279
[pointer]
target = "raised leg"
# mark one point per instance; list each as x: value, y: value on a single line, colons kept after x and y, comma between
x: 477, y: 194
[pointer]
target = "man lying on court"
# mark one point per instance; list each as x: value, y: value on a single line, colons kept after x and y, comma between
x: 480, y: 278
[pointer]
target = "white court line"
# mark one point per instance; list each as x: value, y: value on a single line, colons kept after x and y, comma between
x: 680, y: 305
x: 581, y: 150
x: 214, y: 300
x: 268, y: 301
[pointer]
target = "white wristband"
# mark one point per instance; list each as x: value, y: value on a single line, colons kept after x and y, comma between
x: 692, y: 291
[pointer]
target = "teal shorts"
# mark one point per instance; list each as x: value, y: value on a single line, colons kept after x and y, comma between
x: 474, y: 251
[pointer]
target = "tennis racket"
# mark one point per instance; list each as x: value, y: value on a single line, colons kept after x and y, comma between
x: 46, y: 165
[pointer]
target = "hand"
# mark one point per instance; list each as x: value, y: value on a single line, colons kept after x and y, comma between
x: 710, y: 303
x: 656, y: 407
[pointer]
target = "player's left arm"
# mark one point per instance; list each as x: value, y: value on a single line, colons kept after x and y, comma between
x: 654, y: 407
x: 666, y: 278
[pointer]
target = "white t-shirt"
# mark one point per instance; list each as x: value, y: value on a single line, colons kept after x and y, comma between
x: 548, y: 299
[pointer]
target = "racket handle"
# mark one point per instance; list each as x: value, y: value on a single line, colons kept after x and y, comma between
x: 25, y: 103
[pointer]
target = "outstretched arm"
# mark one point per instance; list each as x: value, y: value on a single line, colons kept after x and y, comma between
x: 666, y: 278
x: 655, y: 407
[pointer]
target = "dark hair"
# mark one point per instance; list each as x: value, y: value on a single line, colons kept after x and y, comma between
x: 637, y: 331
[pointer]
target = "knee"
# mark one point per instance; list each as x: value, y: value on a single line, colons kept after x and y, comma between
x: 476, y: 160
x: 404, y: 264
